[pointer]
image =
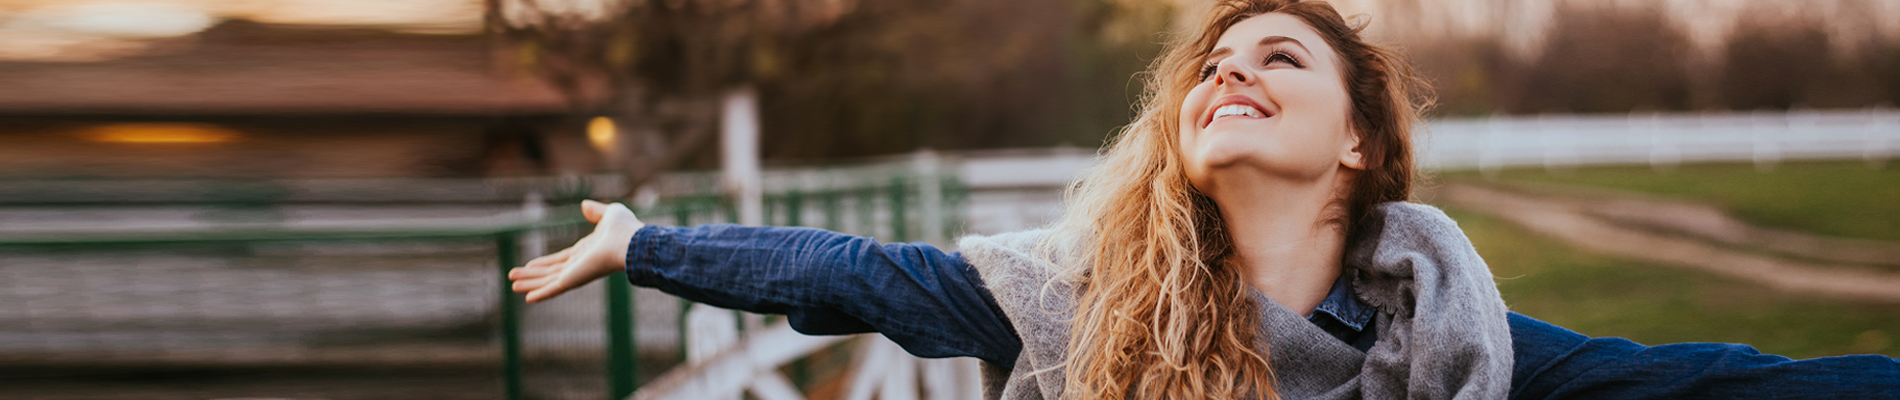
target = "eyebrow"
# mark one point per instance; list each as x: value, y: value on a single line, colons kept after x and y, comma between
x: 1223, y: 51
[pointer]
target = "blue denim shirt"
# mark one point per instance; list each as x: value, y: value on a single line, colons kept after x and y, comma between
x: 1344, y: 316
x: 934, y: 305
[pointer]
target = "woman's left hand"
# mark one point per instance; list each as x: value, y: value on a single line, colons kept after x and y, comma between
x: 601, y: 253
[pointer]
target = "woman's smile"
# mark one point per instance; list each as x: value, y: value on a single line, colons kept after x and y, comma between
x: 1236, y: 106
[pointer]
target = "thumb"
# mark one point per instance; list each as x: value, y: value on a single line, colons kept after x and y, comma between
x: 593, y: 210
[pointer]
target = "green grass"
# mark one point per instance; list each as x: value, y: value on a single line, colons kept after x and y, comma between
x: 1604, y: 296
x: 1840, y: 198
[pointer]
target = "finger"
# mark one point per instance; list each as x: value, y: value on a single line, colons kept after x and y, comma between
x: 551, y: 259
x: 618, y: 208
x: 544, y: 293
x: 593, y: 210
x: 528, y: 285
x: 525, y: 273
x: 558, y: 257
x: 522, y: 287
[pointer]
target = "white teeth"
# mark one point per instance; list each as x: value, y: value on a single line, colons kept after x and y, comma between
x: 1237, y: 109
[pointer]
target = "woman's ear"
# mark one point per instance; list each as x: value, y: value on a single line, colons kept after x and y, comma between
x: 1350, y: 156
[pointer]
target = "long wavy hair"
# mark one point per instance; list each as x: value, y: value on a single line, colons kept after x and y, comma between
x: 1159, y: 312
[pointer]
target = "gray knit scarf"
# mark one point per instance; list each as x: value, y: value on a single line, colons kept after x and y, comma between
x: 1441, y: 325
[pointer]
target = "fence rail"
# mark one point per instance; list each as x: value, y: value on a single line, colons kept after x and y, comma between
x: 1662, y: 140
x: 503, y: 231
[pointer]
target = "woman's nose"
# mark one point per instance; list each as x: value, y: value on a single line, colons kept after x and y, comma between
x: 1232, y: 72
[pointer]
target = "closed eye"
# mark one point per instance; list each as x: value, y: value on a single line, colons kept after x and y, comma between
x: 1208, y: 70
x: 1282, y: 57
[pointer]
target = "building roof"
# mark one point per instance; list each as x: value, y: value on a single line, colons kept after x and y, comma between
x: 242, y: 67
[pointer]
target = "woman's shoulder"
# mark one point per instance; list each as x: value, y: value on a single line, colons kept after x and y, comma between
x: 1405, y: 228
x: 1404, y: 249
x: 1011, y: 256
x: 1019, y: 241
x: 1021, y: 269
x: 1412, y: 219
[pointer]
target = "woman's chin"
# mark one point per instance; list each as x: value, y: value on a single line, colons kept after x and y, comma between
x: 1255, y: 170
x: 1223, y: 154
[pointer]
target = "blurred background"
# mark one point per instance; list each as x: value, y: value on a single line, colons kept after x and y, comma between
x: 316, y: 199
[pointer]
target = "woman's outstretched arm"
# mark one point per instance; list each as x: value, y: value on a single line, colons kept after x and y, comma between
x: 1556, y: 363
x: 930, y: 302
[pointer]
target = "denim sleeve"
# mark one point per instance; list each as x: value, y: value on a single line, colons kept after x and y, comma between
x: 827, y: 283
x: 1556, y: 363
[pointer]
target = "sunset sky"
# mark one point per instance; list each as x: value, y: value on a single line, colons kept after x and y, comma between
x: 1707, y: 22
x: 86, y: 30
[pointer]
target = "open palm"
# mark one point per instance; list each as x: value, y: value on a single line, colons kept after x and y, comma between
x: 598, y: 254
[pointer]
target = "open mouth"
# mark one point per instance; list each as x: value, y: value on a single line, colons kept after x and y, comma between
x: 1237, y: 106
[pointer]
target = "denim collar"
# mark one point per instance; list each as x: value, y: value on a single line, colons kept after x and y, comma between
x: 1343, y: 306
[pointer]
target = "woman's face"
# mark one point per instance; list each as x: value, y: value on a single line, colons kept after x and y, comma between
x: 1271, y: 104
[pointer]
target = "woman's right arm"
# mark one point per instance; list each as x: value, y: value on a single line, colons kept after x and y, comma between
x: 930, y: 302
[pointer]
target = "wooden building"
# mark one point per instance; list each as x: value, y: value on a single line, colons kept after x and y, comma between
x: 250, y: 100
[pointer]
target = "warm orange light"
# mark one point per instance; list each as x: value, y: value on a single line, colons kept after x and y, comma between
x: 600, y: 132
x: 159, y: 132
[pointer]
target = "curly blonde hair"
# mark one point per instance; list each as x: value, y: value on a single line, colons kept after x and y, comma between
x: 1160, y: 314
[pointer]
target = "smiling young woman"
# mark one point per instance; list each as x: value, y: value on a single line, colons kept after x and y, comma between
x: 1250, y: 162
x: 1247, y: 236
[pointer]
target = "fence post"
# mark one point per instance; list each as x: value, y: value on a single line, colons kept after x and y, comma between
x: 795, y: 207
x: 900, y: 227
x: 834, y: 214
x: 682, y: 214
x: 622, y: 367
x: 930, y: 208
x: 739, y: 155
x: 506, y: 249
x: 867, y: 209
x: 1875, y: 152
x: 1767, y: 152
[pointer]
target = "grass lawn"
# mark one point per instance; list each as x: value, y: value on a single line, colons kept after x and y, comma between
x: 1603, y: 296
x: 1838, y: 198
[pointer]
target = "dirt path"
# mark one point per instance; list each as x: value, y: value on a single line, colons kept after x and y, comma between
x: 1629, y: 229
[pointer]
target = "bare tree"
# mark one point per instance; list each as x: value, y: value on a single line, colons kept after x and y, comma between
x: 1608, y: 59
x: 840, y: 78
x: 655, y: 66
x: 1773, y: 63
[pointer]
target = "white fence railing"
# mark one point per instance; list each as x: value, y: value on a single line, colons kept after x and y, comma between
x: 1555, y: 141
x: 723, y: 365
x: 1662, y: 140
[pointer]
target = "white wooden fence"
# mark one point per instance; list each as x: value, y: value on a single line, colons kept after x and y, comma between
x: 724, y: 365
x: 1662, y: 140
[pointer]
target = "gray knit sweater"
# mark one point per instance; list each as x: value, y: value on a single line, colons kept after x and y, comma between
x: 1441, y: 325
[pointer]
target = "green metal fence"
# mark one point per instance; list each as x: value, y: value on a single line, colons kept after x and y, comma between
x: 889, y: 201
x: 503, y: 233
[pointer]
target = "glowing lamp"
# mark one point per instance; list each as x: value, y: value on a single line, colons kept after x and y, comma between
x: 159, y: 133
